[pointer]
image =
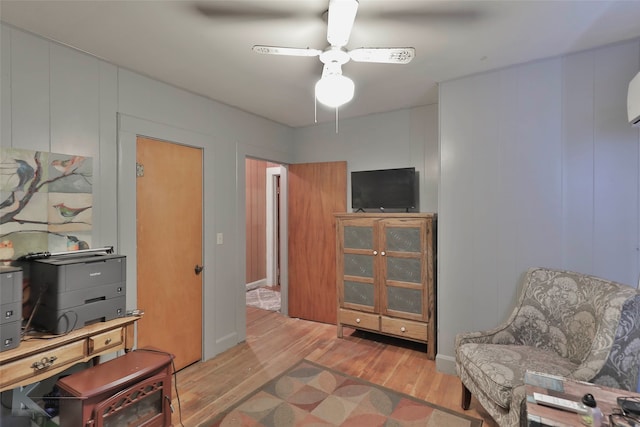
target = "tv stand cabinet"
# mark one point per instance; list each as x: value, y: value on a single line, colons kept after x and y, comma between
x: 386, y: 275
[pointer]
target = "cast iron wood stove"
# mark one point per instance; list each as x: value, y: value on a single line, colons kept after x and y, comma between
x: 131, y: 390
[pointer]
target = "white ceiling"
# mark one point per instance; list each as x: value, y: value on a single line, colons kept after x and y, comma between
x: 205, y: 46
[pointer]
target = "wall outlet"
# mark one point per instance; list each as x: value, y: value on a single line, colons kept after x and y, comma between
x: 219, y: 238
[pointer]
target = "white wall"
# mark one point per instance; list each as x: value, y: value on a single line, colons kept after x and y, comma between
x: 402, y: 138
x: 539, y: 167
x: 53, y: 98
x: 536, y: 166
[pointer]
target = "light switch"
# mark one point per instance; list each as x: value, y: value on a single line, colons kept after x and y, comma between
x: 220, y: 238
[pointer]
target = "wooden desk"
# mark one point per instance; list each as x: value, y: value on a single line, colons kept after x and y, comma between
x: 539, y: 415
x: 37, y: 359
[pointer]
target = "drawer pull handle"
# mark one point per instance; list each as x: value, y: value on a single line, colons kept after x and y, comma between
x: 383, y: 253
x: 44, y: 363
x: 403, y: 329
x: 375, y: 252
x: 358, y: 320
x: 107, y: 341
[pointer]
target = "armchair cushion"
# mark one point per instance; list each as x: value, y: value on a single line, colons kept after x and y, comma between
x: 498, y: 368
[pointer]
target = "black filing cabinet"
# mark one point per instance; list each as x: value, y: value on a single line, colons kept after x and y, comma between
x: 10, y: 307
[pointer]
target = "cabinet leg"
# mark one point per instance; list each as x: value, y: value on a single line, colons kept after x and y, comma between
x: 339, y: 330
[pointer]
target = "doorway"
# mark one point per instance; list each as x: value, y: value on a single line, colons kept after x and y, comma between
x: 263, y: 233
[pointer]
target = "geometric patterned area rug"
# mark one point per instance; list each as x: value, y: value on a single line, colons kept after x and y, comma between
x: 264, y: 298
x: 309, y: 394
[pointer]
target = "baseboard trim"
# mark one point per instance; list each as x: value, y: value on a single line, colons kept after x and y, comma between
x: 446, y: 364
x: 256, y: 284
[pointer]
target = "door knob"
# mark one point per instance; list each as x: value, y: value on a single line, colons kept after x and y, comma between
x: 199, y: 268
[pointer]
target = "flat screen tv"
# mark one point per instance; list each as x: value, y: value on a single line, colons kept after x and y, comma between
x: 384, y: 189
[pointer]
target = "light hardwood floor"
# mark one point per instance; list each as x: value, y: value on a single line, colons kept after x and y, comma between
x: 275, y: 342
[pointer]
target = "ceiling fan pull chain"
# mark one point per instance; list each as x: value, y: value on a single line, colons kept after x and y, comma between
x: 337, y: 120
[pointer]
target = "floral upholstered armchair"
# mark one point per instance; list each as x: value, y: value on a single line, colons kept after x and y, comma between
x: 565, y: 323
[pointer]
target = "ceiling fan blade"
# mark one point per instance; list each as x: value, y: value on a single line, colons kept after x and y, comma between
x: 342, y: 13
x: 386, y: 55
x: 289, y: 51
x: 247, y: 10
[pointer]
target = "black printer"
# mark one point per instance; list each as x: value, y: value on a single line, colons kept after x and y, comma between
x: 71, y: 292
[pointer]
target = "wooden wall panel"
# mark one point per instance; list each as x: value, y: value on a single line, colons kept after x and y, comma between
x: 256, y: 218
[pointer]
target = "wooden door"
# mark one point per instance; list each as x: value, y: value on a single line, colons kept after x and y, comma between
x: 169, y: 246
x: 316, y: 192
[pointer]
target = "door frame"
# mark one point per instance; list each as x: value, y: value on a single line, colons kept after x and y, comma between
x: 272, y: 223
x: 129, y: 128
x: 271, y: 226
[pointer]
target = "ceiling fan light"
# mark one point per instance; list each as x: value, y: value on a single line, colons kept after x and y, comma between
x: 334, y: 90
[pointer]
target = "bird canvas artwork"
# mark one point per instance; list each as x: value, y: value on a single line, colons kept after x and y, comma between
x: 46, y: 202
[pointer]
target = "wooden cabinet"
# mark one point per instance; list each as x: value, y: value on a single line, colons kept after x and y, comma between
x: 386, y: 275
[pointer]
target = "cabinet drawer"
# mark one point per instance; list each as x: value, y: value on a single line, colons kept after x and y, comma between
x: 105, y: 340
x: 404, y: 328
x: 34, y: 365
x: 11, y: 312
x: 358, y: 319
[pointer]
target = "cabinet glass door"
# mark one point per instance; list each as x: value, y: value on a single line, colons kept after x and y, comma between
x: 358, y: 265
x: 404, y: 275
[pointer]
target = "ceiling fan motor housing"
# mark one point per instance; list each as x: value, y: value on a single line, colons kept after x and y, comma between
x: 334, y: 54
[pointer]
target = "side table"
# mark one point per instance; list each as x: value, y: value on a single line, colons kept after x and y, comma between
x: 540, y: 415
x: 37, y: 359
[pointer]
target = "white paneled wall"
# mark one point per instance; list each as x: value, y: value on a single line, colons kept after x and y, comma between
x: 397, y: 139
x: 54, y: 98
x: 600, y: 164
x: 538, y: 168
x: 75, y: 98
x: 29, y: 95
x: 615, y: 176
x: 5, y: 87
x: 57, y: 99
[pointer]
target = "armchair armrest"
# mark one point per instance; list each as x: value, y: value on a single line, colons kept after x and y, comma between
x: 503, y: 333
x: 500, y: 335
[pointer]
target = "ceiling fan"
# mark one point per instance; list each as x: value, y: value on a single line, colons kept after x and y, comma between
x: 334, y: 89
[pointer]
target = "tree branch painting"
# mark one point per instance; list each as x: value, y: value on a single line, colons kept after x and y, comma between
x: 46, y: 202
